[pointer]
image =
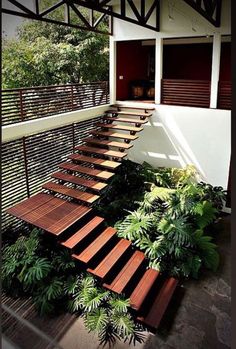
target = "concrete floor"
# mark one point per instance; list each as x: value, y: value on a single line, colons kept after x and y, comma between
x: 199, y: 317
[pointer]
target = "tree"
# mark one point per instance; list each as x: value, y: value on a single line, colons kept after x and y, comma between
x: 47, y: 54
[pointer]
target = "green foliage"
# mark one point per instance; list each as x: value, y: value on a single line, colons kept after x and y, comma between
x: 49, y: 54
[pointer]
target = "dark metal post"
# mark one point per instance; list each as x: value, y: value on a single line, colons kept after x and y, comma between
x: 73, y: 137
x: 26, y: 167
x: 21, y: 106
x: 72, y: 97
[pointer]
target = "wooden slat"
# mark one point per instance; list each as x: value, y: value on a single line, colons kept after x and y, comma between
x: 120, y: 127
x: 55, y: 215
x: 104, y: 175
x: 70, y: 192
x: 111, y: 259
x: 88, y: 183
x: 133, y: 107
x: 114, y: 135
x: 129, y: 120
x: 99, y: 151
x: 96, y: 245
x: 143, y: 287
x: 107, y: 143
x: 126, y: 112
x: 160, y: 304
x: 82, y: 233
x: 125, y: 275
x: 111, y: 165
x: 28, y: 205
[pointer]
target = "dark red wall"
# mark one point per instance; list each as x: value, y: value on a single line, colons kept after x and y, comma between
x: 132, y: 63
x: 192, y: 61
x: 225, y: 62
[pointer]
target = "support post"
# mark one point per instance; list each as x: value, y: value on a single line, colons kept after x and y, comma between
x: 112, y: 84
x: 158, y: 69
x: 215, y: 70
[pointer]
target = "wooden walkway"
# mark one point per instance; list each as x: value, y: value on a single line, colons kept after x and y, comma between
x: 63, y: 209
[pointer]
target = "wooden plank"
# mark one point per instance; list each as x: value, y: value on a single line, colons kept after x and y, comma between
x: 142, y: 288
x: 160, y: 304
x: 114, y: 134
x: 121, y: 280
x: 88, y: 183
x: 105, y: 175
x: 29, y: 204
x: 133, y: 107
x: 55, y: 215
x: 107, y: 143
x: 99, y: 151
x: 113, y: 111
x: 111, y: 165
x: 96, y: 245
x: 111, y: 259
x: 129, y: 120
x: 120, y: 127
x: 82, y: 233
x: 85, y: 197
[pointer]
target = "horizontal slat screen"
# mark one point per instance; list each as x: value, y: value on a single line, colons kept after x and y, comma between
x: 224, y: 95
x: 193, y: 93
x: 28, y: 163
x: 37, y: 102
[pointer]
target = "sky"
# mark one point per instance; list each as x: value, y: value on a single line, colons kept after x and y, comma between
x: 10, y: 22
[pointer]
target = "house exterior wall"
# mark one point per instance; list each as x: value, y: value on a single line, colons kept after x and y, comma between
x: 176, y: 136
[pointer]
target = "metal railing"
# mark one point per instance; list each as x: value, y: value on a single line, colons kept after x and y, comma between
x: 36, y: 102
x: 193, y: 93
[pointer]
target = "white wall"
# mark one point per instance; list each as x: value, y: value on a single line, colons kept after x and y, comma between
x: 176, y: 136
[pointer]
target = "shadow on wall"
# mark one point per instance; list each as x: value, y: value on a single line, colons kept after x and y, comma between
x: 163, y: 145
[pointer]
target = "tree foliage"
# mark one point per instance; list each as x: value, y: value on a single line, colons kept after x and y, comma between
x: 48, y: 54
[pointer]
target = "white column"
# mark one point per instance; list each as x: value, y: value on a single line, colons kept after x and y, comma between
x: 215, y: 69
x: 158, y: 69
x: 112, y: 76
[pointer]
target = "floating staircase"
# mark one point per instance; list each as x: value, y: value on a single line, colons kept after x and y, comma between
x: 63, y: 209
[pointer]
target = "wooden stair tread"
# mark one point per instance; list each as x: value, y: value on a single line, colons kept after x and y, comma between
x: 93, y: 150
x: 95, y: 161
x: 143, y: 287
x: 133, y: 107
x: 160, y: 304
x: 73, y: 193
x: 88, y: 183
x: 96, y: 245
x: 114, y: 134
x: 54, y: 215
x: 86, y: 170
x: 132, y: 121
x: 120, y: 127
x: 82, y: 233
x: 120, y: 282
x: 113, y: 111
x: 111, y: 259
x: 107, y: 143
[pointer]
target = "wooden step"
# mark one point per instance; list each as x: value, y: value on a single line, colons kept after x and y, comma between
x: 47, y: 212
x: 113, y: 111
x: 114, y: 134
x: 104, y: 175
x: 111, y: 165
x: 125, y: 275
x: 111, y: 259
x: 108, y: 143
x: 160, y: 304
x: 88, y: 183
x: 131, y: 121
x: 99, y: 151
x: 72, y: 193
x: 133, y: 107
x: 82, y: 233
x: 120, y: 127
x: 96, y: 245
x: 143, y: 287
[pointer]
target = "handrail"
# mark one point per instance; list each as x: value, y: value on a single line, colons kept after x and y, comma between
x: 25, y: 104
